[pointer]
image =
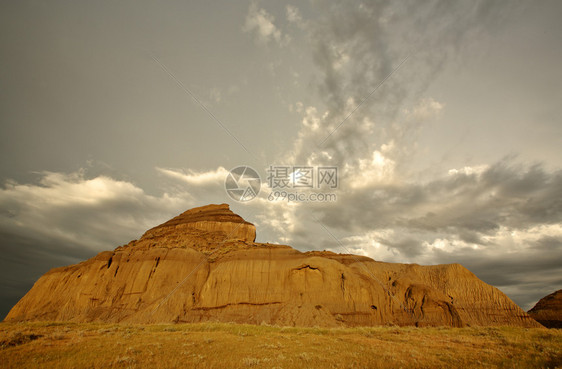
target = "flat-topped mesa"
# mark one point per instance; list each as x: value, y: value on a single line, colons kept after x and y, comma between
x: 203, y: 266
x: 210, y: 221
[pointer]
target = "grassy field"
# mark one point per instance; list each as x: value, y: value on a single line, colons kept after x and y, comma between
x: 217, y: 345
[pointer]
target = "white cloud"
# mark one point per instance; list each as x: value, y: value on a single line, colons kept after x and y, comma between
x: 340, y: 57
x: 196, y: 178
x: 61, y: 189
x: 469, y: 170
x: 215, y: 94
x: 311, y: 118
x: 427, y: 108
x: 277, y: 220
x: 368, y: 244
x: 378, y: 169
x: 293, y: 14
x: 94, y: 213
x: 260, y: 22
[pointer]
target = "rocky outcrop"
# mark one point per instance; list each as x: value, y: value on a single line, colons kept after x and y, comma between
x: 548, y: 311
x: 204, y: 265
x: 215, y: 223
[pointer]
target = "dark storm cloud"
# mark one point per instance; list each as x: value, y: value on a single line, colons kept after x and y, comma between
x: 547, y: 243
x: 408, y: 247
x: 87, y: 212
x: 505, y: 194
x: 501, y: 222
x: 525, y: 275
x: 26, y: 258
x: 66, y: 218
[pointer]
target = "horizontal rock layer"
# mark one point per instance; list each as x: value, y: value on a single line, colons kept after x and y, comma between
x: 201, y: 227
x: 548, y: 311
x: 198, y: 267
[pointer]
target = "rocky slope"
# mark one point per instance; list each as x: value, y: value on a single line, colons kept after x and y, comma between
x: 548, y: 311
x: 204, y: 265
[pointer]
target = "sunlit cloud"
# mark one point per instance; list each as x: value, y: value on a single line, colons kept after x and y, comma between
x: 261, y: 23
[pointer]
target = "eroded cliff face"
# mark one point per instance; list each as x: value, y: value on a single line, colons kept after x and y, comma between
x: 211, y: 224
x: 205, y: 266
x: 548, y: 311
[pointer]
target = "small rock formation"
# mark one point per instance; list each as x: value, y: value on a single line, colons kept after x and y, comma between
x: 211, y: 223
x: 548, y: 311
x: 204, y: 265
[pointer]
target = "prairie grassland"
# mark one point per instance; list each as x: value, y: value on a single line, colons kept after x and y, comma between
x: 220, y: 345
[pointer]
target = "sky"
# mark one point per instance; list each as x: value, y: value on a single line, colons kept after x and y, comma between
x: 442, y: 119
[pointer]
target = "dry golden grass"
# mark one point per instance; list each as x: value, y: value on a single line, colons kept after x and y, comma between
x: 218, y: 345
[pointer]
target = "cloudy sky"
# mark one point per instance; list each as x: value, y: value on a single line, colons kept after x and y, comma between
x: 442, y: 118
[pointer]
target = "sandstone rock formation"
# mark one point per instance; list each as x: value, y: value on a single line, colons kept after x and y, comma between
x: 548, y: 311
x: 204, y: 265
